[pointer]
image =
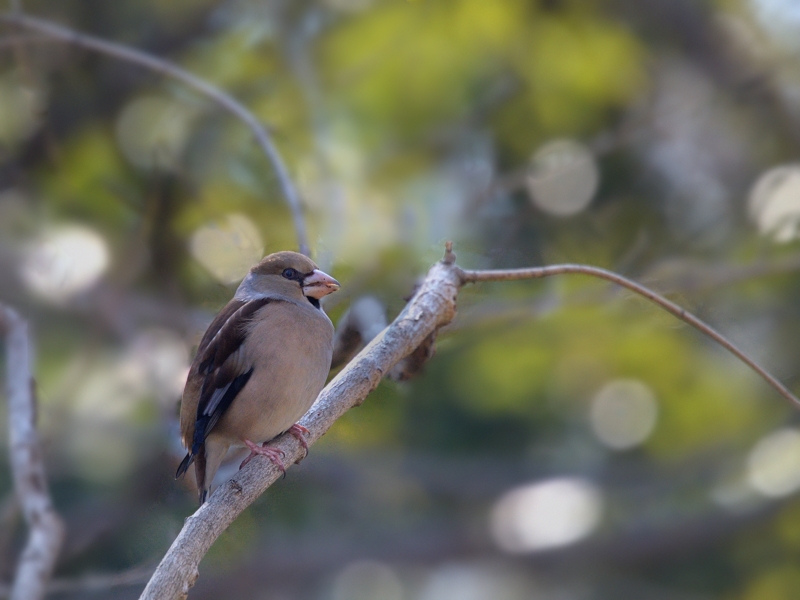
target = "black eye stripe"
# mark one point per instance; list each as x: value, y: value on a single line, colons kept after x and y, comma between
x: 295, y: 275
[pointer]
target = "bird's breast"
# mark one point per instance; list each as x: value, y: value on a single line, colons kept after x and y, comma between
x: 290, y: 349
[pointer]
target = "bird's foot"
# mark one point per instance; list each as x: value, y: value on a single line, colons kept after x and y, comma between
x: 298, y: 432
x: 275, y: 455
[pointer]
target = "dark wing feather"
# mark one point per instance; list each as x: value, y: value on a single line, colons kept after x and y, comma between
x: 222, y: 379
x: 219, y: 321
x: 205, y: 422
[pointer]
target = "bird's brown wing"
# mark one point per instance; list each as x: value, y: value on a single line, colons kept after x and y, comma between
x: 217, y: 375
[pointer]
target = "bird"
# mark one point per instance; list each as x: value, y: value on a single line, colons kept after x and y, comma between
x: 259, y: 367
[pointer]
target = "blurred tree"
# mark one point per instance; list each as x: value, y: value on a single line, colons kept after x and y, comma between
x: 657, y: 139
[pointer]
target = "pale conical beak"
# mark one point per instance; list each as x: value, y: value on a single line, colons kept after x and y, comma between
x: 319, y: 284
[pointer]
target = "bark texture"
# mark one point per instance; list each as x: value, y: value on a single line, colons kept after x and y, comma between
x: 45, y: 529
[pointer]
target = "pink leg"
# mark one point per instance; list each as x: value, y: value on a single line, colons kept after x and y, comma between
x: 271, y: 453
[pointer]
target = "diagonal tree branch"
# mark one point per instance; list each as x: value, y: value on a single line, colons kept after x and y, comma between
x: 432, y: 307
x: 60, y: 33
x: 46, y: 531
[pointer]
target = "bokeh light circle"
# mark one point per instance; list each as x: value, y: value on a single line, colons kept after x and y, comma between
x: 152, y: 131
x: 229, y: 248
x: 63, y: 262
x: 474, y: 581
x: 774, y: 203
x: 546, y: 514
x: 780, y: 19
x: 773, y: 465
x: 367, y: 580
x: 623, y: 413
x: 563, y: 177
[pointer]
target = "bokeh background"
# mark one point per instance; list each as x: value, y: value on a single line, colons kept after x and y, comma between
x: 568, y: 441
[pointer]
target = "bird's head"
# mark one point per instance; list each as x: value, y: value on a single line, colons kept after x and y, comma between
x: 288, y: 274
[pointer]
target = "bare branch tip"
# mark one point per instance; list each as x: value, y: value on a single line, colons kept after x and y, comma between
x: 449, y: 255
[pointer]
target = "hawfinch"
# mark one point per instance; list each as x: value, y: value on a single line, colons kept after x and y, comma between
x: 259, y: 367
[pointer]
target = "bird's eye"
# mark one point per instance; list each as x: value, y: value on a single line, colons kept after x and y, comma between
x: 289, y: 273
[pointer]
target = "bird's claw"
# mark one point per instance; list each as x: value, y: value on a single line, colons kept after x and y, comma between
x: 274, y: 454
x: 298, y: 432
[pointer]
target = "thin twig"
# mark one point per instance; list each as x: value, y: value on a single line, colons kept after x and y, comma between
x: 46, y: 531
x: 540, y: 272
x: 163, y: 67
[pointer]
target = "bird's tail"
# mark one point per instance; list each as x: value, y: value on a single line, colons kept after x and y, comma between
x: 200, y: 474
x: 185, y: 464
x: 196, y: 455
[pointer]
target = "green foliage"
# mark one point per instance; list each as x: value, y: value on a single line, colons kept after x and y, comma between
x: 567, y: 70
x: 779, y: 583
x: 91, y: 181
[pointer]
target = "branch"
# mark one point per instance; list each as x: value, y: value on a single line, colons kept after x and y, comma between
x: 432, y: 307
x: 46, y: 531
x: 158, y: 65
x: 671, y: 307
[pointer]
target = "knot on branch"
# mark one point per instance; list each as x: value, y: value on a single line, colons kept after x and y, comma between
x: 412, y: 364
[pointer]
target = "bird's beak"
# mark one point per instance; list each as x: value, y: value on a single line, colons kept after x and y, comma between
x: 319, y: 284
